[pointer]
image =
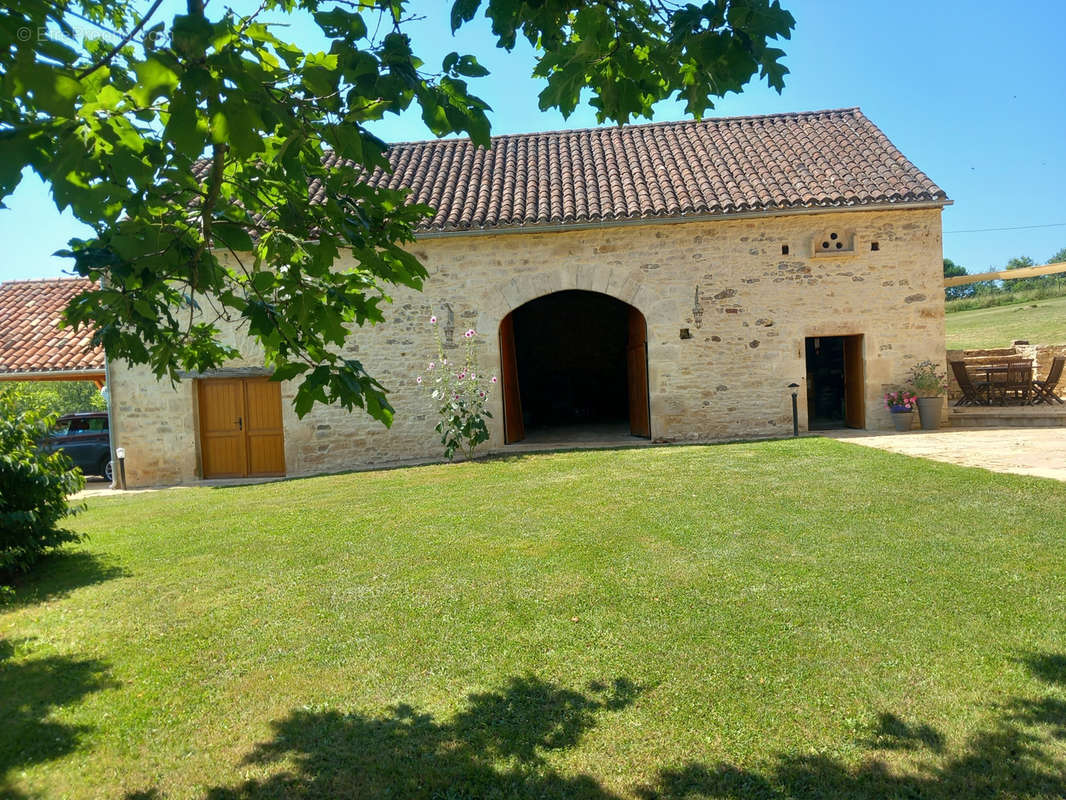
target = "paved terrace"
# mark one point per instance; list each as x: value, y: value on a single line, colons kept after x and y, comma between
x: 1024, y: 451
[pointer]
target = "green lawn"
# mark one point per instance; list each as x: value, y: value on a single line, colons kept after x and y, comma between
x: 792, y: 619
x: 1039, y: 322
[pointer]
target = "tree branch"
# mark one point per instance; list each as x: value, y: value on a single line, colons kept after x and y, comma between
x: 214, y: 186
x: 125, y: 40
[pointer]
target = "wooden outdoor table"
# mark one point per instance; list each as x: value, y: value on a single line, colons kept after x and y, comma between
x: 1000, y: 369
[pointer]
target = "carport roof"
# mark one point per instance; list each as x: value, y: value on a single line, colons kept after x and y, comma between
x: 31, y: 343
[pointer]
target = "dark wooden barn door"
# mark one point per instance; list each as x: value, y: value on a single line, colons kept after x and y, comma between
x: 854, y: 383
x: 514, y: 430
x: 241, y: 431
x: 637, y: 375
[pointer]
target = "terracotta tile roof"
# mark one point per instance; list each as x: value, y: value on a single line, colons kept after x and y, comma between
x: 29, y: 338
x: 667, y: 170
x: 811, y: 160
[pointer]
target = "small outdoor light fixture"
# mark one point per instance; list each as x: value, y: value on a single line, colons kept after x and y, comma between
x: 120, y: 454
x: 794, y: 387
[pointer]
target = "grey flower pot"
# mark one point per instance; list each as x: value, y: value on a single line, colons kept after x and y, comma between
x: 929, y: 409
x: 902, y: 420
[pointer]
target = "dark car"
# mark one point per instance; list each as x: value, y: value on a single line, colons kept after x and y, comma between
x: 84, y: 437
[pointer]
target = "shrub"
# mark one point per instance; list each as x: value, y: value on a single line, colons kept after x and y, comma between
x: 989, y: 299
x: 34, y: 486
x: 460, y: 393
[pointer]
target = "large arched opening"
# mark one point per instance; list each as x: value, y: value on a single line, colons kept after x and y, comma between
x: 574, y: 366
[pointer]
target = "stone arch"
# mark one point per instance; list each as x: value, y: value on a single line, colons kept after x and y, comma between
x: 621, y: 284
x: 585, y: 363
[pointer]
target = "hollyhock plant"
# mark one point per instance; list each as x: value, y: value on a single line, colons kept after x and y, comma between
x: 459, y: 396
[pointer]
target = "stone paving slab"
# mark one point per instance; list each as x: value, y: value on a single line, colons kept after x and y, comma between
x: 1023, y: 451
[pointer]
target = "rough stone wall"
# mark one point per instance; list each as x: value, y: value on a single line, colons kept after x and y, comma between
x: 747, y: 306
x: 1041, y: 355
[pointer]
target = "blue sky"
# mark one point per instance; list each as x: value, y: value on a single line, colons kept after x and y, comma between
x: 972, y: 92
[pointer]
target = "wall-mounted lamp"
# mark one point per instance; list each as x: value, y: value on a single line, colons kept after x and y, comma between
x: 697, y: 310
x: 120, y: 454
x: 794, y: 388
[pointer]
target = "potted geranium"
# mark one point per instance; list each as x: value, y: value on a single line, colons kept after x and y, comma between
x: 929, y: 381
x: 901, y: 404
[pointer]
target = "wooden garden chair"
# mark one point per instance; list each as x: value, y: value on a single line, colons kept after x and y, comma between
x: 970, y: 391
x: 1018, y: 383
x: 1044, y: 391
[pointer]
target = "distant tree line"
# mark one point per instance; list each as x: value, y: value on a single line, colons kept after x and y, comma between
x: 988, y: 293
x: 54, y: 397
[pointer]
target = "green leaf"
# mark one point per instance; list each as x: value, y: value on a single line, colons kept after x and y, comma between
x: 154, y: 80
x: 234, y: 237
x: 191, y: 35
x: 463, y: 11
x: 241, y: 128
x: 184, y: 128
x: 469, y: 67
x: 338, y: 23
x: 286, y: 371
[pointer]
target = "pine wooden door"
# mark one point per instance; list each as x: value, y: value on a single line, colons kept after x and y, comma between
x: 637, y: 375
x: 241, y: 431
x: 263, y: 427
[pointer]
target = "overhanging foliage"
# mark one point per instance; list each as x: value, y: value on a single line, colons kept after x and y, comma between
x: 186, y: 141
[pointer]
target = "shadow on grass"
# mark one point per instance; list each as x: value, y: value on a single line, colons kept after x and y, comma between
x: 30, y: 691
x: 495, y: 747
x: 498, y: 747
x: 58, y: 574
x: 1015, y: 756
x: 1048, y: 667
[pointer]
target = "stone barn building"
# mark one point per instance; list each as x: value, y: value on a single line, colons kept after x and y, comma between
x: 666, y: 281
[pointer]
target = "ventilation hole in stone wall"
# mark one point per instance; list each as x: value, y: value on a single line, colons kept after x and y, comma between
x: 784, y: 249
x: 835, y: 242
x: 875, y: 246
x: 685, y: 333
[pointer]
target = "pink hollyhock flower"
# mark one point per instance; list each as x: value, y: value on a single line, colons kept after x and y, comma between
x: 469, y: 333
x: 433, y: 320
x: 493, y: 379
x: 462, y: 375
x: 431, y: 365
x: 418, y: 379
